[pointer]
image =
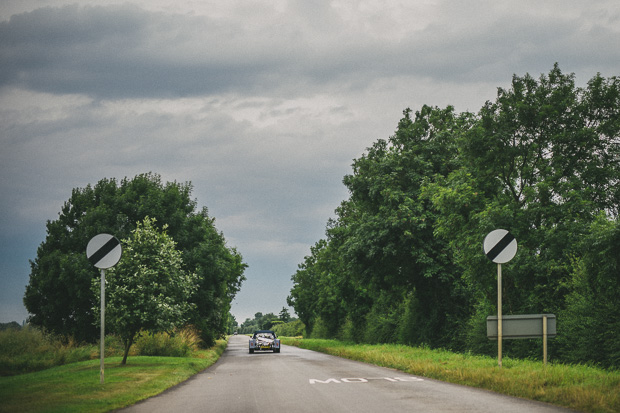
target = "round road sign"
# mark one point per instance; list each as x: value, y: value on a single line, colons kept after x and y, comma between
x: 104, y: 251
x: 500, y: 246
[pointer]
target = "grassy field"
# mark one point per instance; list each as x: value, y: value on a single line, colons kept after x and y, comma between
x: 582, y: 388
x: 76, y: 387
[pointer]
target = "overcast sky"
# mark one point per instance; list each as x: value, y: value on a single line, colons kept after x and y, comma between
x: 261, y: 104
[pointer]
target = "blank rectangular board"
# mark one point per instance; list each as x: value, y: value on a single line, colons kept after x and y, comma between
x: 521, y: 326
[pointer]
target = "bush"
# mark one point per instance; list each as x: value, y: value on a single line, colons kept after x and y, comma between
x: 114, y: 347
x: 319, y: 330
x: 476, y: 339
x: 293, y: 328
x: 382, y: 321
x: 180, y: 343
x: 348, y: 332
x: 590, y: 322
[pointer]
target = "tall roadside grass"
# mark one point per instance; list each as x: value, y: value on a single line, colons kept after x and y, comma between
x: 29, y: 349
x: 579, y: 387
x: 180, y: 343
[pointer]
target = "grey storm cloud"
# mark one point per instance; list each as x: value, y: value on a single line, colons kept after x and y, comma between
x: 261, y: 104
x: 112, y: 52
x: 126, y: 51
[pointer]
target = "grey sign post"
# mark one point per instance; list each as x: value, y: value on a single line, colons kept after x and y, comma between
x: 500, y: 246
x: 103, y: 251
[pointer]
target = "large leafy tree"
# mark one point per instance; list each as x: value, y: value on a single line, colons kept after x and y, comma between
x: 58, y: 296
x: 385, y: 231
x: 321, y: 290
x: 542, y: 160
x: 381, y: 255
x: 304, y: 295
x: 220, y: 273
x: 148, y: 290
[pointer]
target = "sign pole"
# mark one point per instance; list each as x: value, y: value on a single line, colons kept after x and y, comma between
x: 102, y: 337
x: 500, y: 246
x: 499, y: 314
x: 545, y: 339
x: 103, y: 251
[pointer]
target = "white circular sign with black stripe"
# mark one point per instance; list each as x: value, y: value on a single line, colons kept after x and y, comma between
x: 103, y: 251
x: 500, y: 246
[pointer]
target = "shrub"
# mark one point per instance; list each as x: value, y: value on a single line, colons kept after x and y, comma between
x: 382, y: 320
x: 179, y: 343
x: 348, y: 332
x: 293, y: 328
x: 590, y: 322
x: 475, y: 330
x: 319, y: 330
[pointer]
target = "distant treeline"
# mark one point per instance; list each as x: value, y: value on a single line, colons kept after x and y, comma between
x: 12, y: 324
x: 283, y: 324
x: 402, y: 262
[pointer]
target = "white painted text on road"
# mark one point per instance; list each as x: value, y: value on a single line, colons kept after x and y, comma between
x: 365, y: 380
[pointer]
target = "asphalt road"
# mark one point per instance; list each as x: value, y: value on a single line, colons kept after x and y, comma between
x: 298, y: 380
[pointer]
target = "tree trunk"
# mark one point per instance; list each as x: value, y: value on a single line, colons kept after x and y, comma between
x: 128, y: 342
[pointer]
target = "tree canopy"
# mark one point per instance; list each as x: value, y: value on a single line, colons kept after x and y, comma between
x: 59, y: 297
x: 402, y: 261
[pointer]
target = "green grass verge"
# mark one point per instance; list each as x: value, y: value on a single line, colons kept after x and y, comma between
x: 76, y: 387
x: 582, y: 388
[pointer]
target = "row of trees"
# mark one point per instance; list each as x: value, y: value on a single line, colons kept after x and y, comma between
x: 265, y: 321
x: 176, y: 266
x: 402, y: 261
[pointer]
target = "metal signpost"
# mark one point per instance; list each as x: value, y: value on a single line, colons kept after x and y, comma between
x: 103, y: 251
x: 500, y: 246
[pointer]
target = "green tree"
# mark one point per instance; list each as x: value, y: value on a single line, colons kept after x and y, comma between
x: 233, y: 325
x: 591, y: 318
x: 308, y: 293
x: 58, y: 295
x: 148, y: 290
x: 220, y: 274
x: 248, y: 326
x: 543, y: 162
x: 284, y: 315
x: 385, y: 230
x: 403, y: 260
x: 267, y: 321
x: 260, y: 322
